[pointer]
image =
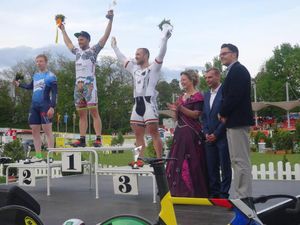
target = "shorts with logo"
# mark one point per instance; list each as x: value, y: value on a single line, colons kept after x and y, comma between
x: 38, y: 114
x: 85, y: 93
x: 144, y: 111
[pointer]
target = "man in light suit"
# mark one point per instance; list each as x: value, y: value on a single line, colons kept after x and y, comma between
x: 216, y: 147
x: 236, y: 114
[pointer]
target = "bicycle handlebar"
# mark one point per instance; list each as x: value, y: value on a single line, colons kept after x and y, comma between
x: 152, y: 161
x: 265, y: 198
x: 295, y: 210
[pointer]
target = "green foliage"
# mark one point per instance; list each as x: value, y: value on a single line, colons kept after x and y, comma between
x: 19, y: 76
x: 168, y: 92
x: 216, y: 63
x: 269, y: 143
x: 14, y: 150
x: 297, y: 132
x: 283, y: 140
x: 119, y: 140
x: 149, y: 150
x: 2, y: 180
x: 7, y: 105
x: 282, y: 67
x: 259, y: 158
x: 119, y: 158
x: 169, y: 142
x: 114, y: 86
x: 259, y: 136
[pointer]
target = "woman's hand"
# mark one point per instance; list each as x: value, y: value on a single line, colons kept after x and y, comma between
x: 172, y: 106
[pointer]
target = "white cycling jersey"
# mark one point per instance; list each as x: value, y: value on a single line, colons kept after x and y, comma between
x: 145, y: 80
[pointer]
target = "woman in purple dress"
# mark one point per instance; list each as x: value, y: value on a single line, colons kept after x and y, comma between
x: 187, y: 176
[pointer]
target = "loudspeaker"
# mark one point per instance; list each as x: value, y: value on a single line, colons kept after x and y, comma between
x: 17, y: 196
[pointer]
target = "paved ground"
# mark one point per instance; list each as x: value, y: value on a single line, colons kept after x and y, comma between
x: 71, y: 198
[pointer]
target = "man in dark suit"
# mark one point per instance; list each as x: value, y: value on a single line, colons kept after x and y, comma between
x: 216, y: 147
x: 236, y: 114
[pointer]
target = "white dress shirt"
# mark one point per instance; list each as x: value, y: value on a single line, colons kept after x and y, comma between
x: 213, y: 94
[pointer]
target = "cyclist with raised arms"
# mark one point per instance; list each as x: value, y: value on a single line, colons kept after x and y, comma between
x: 144, y: 116
x: 85, y: 93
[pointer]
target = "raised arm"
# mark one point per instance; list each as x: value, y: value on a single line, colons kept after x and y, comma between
x: 67, y: 40
x: 103, y: 40
x: 163, y: 48
x: 122, y: 58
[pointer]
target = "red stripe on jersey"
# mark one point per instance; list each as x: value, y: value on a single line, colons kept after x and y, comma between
x: 126, y: 64
x: 136, y: 121
x: 151, y: 120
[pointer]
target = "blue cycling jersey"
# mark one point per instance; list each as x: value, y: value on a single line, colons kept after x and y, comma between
x: 42, y: 85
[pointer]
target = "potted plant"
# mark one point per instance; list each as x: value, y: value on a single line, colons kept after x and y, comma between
x: 283, y: 141
x: 296, y: 148
x: 15, y: 151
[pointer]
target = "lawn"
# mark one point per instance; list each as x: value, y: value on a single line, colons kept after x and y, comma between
x: 123, y: 158
x: 259, y: 158
x: 2, y: 180
x: 113, y: 158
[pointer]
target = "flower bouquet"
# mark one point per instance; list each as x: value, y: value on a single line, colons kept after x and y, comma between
x: 166, y: 27
x: 19, y: 76
x: 59, y: 19
x: 164, y: 23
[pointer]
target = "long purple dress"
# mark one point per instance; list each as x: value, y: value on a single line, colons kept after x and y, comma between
x: 187, y: 176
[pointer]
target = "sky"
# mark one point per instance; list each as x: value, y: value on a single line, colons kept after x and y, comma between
x: 200, y: 27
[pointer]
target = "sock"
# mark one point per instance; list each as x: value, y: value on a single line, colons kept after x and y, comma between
x: 99, y: 138
x: 39, y: 155
x: 82, y: 139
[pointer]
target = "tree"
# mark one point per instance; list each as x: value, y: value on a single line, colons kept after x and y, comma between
x: 65, y: 85
x: 216, y: 63
x: 282, y: 67
x: 7, y: 105
x: 115, y: 90
x: 165, y: 94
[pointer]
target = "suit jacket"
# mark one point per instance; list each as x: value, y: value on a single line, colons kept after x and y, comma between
x: 236, y: 103
x: 211, y: 123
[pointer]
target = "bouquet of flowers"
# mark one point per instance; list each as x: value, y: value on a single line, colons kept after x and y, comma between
x: 59, y: 19
x: 164, y: 23
x: 19, y: 76
x: 166, y: 27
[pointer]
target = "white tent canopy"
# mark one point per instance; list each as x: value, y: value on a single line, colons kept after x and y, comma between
x: 286, y: 105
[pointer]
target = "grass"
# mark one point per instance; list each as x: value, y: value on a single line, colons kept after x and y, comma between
x: 116, y: 159
x: 112, y: 158
x: 263, y: 158
x: 122, y: 159
x: 2, y: 180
